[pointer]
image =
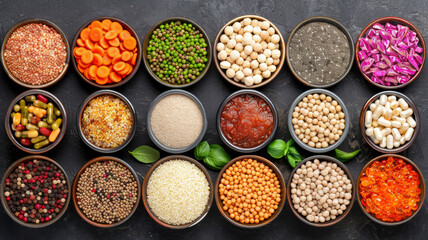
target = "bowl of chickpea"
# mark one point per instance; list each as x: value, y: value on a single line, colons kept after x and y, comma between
x: 250, y: 191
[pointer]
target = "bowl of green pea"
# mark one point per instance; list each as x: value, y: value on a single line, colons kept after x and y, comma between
x: 177, y: 52
x: 36, y: 121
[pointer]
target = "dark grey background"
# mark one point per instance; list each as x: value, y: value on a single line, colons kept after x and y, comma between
x: 71, y: 153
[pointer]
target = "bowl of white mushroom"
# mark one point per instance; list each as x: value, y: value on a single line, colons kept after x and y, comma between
x: 390, y: 122
x: 321, y: 191
x: 249, y: 51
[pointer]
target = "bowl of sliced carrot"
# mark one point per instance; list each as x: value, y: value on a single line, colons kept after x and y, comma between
x: 107, y: 52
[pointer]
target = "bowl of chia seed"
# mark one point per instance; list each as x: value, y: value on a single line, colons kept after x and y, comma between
x: 319, y: 52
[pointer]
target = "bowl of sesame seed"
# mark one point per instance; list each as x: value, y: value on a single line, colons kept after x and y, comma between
x: 35, y: 53
x: 107, y: 121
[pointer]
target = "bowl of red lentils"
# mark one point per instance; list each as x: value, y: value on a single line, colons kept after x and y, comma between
x: 106, y: 192
x: 35, y: 191
x: 107, y: 121
x: 36, y: 121
x: 35, y: 53
x: 250, y: 191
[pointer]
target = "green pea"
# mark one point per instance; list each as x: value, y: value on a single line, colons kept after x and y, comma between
x: 40, y: 104
x: 41, y: 144
x: 49, y: 114
x: 38, y: 139
x: 16, y: 108
x: 56, y: 124
x: 30, y: 98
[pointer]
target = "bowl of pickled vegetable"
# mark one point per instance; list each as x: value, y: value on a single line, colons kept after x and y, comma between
x: 36, y: 121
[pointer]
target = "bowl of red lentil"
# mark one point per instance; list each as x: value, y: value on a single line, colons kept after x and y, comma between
x: 106, y: 192
x: 177, y: 192
x: 43, y: 176
x: 259, y: 208
x: 390, y: 183
x: 9, y: 123
x: 101, y: 47
x: 107, y: 121
x: 35, y: 53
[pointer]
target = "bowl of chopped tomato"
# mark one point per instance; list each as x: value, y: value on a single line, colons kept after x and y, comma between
x: 106, y: 52
x: 391, y: 189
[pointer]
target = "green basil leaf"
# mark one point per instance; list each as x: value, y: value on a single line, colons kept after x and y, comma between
x: 202, y: 150
x: 212, y: 163
x: 287, y: 146
x: 276, y: 148
x: 293, y: 156
x: 218, y: 155
x: 346, y: 156
x: 146, y: 154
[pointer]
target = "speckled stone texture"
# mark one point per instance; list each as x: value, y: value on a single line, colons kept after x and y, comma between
x: 354, y: 90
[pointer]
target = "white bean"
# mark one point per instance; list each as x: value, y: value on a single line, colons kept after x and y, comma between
x: 389, y: 141
x: 409, y: 133
x: 411, y: 122
x: 396, y: 134
x: 404, y: 128
x: 382, y: 121
x: 386, y: 131
x: 383, y: 143
x: 377, y: 113
x: 369, y: 131
x: 373, y: 107
x: 377, y: 134
x: 403, y: 104
x: 368, y: 119
x: 406, y: 113
x: 383, y: 99
x: 396, y: 124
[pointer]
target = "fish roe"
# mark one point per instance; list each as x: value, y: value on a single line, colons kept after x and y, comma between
x: 390, y: 190
x: 35, y: 54
x: 250, y: 191
x: 107, y: 121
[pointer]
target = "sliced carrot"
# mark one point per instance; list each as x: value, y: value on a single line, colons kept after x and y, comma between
x: 115, y: 77
x: 125, y: 70
x: 116, y: 59
x: 96, y: 24
x: 121, y: 48
x: 135, y: 50
x: 81, y: 69
x: 95, y: 34
x: 124, y: 35
x: 117, y: 27
x: 110, y: 35
x: 104, y: 43
x: 83, y: 65
x: 86, y: 74
x: 80, y: 42
x: 93, y: 71
x: 134, y: 59
x: 130, y: 68
x: 103, y: 72
x: 98, y: 49
x: 101, y: 81
x: 87, y: 57
x: 77, y: 52
x: 106, y: 24
x: 113, y: 51
x: 89, y: 45
x: 126, y: 56
x: 84, y: 34
x: 114, y: 42
x: 106, y: 60
x: 119, y: 66
x: 130, y: 43
x: 109, y: 81
x: 98, y: 60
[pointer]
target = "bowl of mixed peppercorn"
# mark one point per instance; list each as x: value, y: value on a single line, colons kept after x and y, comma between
x: 177, y: 52
x: 35, y: 191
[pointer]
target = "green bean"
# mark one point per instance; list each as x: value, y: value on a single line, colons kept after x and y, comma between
x: 57, y: 111
x: 24, y: 112
x: 38, y: 139
x: 30, y: 98
x: 43, y: 124
x: 57, y: 123
x: 30, y: 126
x: 49, y: 114
x: 40, y: 104
x: 22, y: 103
x: 18, y: 134
x: 16, y: 108
x: 41, y: 144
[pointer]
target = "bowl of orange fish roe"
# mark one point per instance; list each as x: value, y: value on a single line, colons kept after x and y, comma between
x: 391, y: 189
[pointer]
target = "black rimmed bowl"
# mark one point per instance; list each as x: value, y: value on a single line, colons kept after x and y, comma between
x: 415, y: 115
x: 335, y: 23
x: 251, y: 93
x: 146, y: 45
x: 392, y: 20
x: 3, y: 185
x: 146, y: 182
x: 282, y: 185
x: 75, y: 186
x: 49, y: 24
x: 342, y: 166
x: 8, y: 121
x: 421, y: 186
x: 152, y: 136
x: 330, y: 147
x: 80, y: 115
x: 125, y: 26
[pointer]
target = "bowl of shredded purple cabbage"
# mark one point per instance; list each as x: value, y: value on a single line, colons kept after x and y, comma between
x: 390, y: 52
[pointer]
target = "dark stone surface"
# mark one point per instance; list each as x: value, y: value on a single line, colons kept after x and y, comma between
x: 72, y: 153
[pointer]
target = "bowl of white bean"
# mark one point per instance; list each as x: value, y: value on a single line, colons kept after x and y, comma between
x: 321, y: 191
x: 249, y: 51
x: 389, y: 122
x: 318, y: 120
